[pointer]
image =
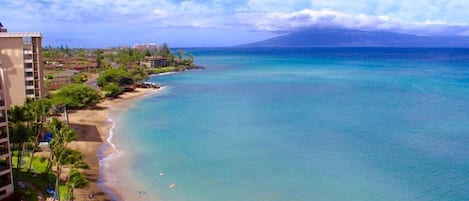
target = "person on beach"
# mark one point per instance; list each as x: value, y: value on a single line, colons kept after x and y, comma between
x: 91, y: 196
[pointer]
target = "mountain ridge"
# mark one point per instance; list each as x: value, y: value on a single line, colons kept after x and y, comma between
x: 358, y: 38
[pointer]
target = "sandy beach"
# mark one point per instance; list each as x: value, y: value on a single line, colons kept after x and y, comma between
x: 92, y: 127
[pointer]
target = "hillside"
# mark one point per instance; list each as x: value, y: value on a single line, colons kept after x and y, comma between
x: 357, y: 38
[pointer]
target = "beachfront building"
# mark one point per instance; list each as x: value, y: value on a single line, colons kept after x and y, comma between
x: 21, y: 55
x: 158, y: 62
x: 6, y: 177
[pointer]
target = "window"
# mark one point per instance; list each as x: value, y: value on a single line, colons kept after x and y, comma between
x: 28, y: 65
x: 28, y: 74
x: 30, y: 92
x: 27, y: 40
x: 28, y: 56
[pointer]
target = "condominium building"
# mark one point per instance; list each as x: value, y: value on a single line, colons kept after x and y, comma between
x: 6, y: 179
x: 21, y: 77
x: 146, y: 46
x: 21, y: 55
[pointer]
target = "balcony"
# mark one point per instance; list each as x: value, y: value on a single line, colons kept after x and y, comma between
x: 5, y: 180
x: 27, y: 52
x: 28, y: 69
x: 30, y: 87
x: 3, y: 132
x: 4, y: 164
x: 2, y: 102
x: 29, y: 78
x: 4, y: 149
x: 28, y: 61
x: 30, y: 96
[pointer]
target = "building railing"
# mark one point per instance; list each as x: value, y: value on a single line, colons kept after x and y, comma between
x: 4, y: 150
x: 3, y: 135
x: 5, y: 180
x: 4, y: 164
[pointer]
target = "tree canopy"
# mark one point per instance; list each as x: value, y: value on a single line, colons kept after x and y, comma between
x: 76, y: 96
x: 119, y: 76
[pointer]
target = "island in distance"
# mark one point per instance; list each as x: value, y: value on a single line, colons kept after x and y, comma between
x: 334, y: 37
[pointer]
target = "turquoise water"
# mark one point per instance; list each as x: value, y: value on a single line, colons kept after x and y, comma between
x: 305, y: 124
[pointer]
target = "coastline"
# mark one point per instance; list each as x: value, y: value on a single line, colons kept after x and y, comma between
x: 94, y: 129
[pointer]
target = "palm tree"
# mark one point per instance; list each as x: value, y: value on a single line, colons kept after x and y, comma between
x: 19, y: 135
x: 60, y: 154
x: 191, y: 59
x: 76, y: 179
x: 53, y: 126
x: 39, y: 110
x: 20, y: 130
x: 17, y: 114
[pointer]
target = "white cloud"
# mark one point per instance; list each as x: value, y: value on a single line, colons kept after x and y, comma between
x: 276, y: 5
x: 454, y: 11
x: 306, y: 18
x: 97, y: 17
x: 159, y: 12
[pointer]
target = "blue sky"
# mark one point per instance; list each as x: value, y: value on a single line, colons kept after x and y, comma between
x: 198, y: 23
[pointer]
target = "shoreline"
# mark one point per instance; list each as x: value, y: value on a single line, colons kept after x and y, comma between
x: 94, y: 128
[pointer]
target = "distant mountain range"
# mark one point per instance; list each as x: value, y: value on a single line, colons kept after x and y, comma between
x: 357, y: 38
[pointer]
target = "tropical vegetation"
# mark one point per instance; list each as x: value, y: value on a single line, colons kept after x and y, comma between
x: 76, y: 96
x: 27, y: 125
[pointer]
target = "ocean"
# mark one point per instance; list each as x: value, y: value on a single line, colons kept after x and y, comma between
x: 302, y: 124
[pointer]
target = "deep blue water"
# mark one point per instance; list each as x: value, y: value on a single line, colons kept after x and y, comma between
x: 305, y: 124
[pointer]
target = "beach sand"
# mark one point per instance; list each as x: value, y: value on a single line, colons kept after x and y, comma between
x: 92, y: 127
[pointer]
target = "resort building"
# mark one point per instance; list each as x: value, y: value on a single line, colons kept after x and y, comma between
x: 147, y: 46
x: 6, y: 179
x: 158, y: 62
x: 62, y: 79
x: 21, y: 55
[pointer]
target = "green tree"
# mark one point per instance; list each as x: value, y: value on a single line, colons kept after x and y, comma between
x: 20, y: 131
x: 165, y: 51
x: 181, y: 56
x: 120, y: 77
x: 80, y: 78
x: 39, y: 110
x: 139, y: 74
x: 112, y: 90
x: 191, y: 59
x: 99, y: 58
x: 60, y: 153
x: 76, y: 179
x: 76, y: 96
x: 20, y: 134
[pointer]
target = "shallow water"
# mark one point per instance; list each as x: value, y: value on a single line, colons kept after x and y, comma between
x: 303, y: 124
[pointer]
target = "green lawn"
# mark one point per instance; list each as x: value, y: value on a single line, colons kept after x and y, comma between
x: 42, y: 181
